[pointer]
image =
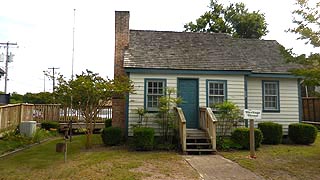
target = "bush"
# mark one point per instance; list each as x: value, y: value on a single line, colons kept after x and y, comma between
x: 111, y: 136
x: 47, y: 125
x: 227, y: 144
x: 242, y: 137
x: 143, y: 138
x: 272, y: 132
x: 302, y: 133
x: 108, y: 123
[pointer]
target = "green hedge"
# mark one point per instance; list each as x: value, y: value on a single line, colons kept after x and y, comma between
x: 272, y: 132
x: 242, y: 137
x: 143, y: 138
x: 111, y: 136
x: 302, y: 133
x: 47, y: 125
x: 108, y: 123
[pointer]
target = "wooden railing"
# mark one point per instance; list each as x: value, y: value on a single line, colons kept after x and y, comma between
x: 46, y: 112
x: 182, y: 128
x: 66, y: 114
x: 207, y: 122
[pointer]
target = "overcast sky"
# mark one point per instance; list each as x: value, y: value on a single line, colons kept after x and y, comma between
x: 43, y: 31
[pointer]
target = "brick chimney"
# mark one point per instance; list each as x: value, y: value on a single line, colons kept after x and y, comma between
x: 121, y: 42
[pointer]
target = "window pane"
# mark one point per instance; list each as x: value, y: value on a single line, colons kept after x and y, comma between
x: 160, y: 91
x: 216, y: 85
x: 155, y: 91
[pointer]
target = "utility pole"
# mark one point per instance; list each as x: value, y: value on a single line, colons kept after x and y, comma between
x: 74, y: 22
x: 44, y: 81
x: 53, y: 77
x: 7, y: 44
x: 71, y: 96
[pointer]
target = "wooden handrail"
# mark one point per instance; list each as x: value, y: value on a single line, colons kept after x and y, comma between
x: 208, y: 123
x: 182, y: 128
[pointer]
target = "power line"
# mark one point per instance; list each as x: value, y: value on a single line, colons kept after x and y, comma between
x: 53, y: 77
x: 7, y: 45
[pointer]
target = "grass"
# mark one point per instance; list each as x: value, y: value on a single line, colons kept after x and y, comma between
x: 12, y: 141
x: 282, y: 161
x: 42, y: 162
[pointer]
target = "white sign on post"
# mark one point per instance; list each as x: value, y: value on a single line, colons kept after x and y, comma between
x: 252, y: 114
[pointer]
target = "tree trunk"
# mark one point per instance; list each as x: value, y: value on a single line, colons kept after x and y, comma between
x: 89, y: 134
x: 89, y: 141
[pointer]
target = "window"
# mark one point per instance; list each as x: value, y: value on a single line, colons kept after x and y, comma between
x: 155, y: 88
x: 216, y: 92
x: 270, y: 95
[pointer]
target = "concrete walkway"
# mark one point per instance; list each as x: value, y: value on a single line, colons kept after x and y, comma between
x: 216, y: 167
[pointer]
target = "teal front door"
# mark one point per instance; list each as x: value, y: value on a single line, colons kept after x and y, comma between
x: 188, y: 91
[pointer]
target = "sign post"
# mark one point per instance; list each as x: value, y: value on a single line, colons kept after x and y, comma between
x: 252, y: 145
x: 252, y: 115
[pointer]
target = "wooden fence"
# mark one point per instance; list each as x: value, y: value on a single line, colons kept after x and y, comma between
x: 46, y: 112
x: 12, y: 115
x: 311, y: 109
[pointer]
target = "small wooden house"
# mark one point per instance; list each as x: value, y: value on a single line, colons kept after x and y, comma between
x: 205, y: 68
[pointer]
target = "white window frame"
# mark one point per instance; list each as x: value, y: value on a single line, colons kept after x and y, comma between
x: 209, y: 90
x: 155, y: 96
x: 274, y: 93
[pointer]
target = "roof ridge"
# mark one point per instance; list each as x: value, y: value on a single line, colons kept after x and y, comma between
x: 184, y: 32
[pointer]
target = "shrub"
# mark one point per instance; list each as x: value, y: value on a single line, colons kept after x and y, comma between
x: 47, y: 125
x: 227, y: 144
x: 272, y: 132
x: 111, y: 136
x: 143, y: 138
x: 242, y: 137
x: 302, y: 133
x: 108, y: 123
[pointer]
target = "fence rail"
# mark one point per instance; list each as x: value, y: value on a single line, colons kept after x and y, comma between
x: 311, y: 109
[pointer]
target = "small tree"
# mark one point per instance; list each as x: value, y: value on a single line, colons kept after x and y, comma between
x: 167, y: 116
x: 228, y: 117
x: 90, y: 93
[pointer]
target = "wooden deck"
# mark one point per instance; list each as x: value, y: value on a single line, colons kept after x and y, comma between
x: 78, y: 125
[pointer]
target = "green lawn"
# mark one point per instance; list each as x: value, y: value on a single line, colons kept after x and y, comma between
x: 282, y: 161
x: 13, y: 141
x: 42, y: 162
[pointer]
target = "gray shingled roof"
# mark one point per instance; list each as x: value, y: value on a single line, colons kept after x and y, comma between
x: 202, y: 51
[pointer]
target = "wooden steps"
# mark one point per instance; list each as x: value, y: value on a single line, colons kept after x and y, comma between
x: 198, y: 142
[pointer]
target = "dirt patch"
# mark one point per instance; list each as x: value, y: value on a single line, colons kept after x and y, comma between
x: 179, y: 169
